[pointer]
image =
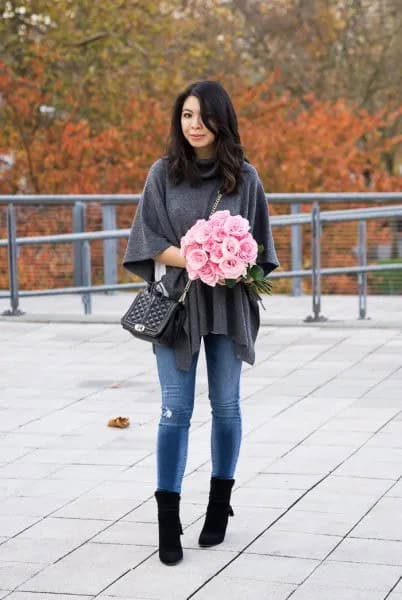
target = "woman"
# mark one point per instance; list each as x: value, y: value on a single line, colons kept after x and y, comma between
x: 204, y: 157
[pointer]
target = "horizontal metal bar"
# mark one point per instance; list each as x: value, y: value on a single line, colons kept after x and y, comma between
x: 328, y: 216
x: 279, y: 275
x: 338, y: 271
x: 64, y: 238
x: 32, y: 199
x: 285, y: 198
x: 287, y: 220
x: 385, y: 212
x: 357, y: 214
x: 78, y: 290
x: 361, y: 269
x: 335, y: 197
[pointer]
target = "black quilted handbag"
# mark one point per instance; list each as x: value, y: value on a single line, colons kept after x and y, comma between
x: 154, y: 317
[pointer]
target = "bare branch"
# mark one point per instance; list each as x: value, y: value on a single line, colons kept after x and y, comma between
x: 92, y: 38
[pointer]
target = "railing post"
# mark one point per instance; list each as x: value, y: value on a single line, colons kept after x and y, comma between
x: 109, y: 246
x: 78, y: 227
x: 362, y: 277
x: 86, y: 277
x: 316, y: 264
x: 12, y: 263
x: 297, y: 251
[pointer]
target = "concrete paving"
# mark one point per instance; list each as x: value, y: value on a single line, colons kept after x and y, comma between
x: 318, y: 493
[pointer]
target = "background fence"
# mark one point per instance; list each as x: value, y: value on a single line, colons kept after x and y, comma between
x: 348, y: 250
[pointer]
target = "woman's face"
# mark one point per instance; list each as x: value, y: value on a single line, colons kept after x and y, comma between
x: 194, y: 130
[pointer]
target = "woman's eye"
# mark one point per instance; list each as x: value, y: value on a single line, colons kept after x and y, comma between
x: 186, y: 115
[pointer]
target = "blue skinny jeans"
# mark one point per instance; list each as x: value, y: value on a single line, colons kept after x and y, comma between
x: 177, y: 387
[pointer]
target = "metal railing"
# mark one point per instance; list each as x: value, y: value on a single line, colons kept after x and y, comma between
x: 82, y: 254
x: 109, y: 202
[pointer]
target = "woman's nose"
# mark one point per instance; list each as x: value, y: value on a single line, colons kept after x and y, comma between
x: 197, y: 123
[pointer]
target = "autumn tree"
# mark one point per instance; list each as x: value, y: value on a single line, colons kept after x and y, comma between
x: 86, y: 90
x: 333, y: 48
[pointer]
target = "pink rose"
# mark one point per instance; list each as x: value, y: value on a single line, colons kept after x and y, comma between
x: 196, y: 259
x: 186, y: 242
x: 217, y: 231
x: 216, y: 253
x: 230, y: 247
x: 232, y: 268
x: 192, y: 274
x: 208, y: 245
x: 188, y: 238
x: 201, y: 231
x: 210, y: 273
x: 236, y: 225
x: 248, y: 249
x: 194, y: 246
x: 220, y: 215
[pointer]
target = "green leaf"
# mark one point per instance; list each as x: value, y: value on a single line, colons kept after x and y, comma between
x: 256, y: 272
x: 263, y: 286
x: 230, y: 283
x: 260, y: 248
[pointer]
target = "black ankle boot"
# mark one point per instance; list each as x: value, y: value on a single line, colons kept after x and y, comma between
x: 218, y: 512
x: 170, y: 529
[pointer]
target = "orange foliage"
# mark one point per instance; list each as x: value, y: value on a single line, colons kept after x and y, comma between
x: 314, y: 146
x: 297, y: 146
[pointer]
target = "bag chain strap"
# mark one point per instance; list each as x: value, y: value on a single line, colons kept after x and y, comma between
x: 213, y: 209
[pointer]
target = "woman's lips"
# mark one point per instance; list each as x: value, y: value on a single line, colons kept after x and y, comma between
x: 196, y: 137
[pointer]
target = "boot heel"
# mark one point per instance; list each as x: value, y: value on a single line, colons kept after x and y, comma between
x: 218, y: 512
x: 170, y: 528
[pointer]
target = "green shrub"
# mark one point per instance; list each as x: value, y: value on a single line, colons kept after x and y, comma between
x: 386, y: 282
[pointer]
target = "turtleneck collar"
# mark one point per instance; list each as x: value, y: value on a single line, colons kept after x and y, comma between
x: 208, y: 167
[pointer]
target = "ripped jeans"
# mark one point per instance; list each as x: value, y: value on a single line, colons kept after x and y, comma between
x: 178, y: 388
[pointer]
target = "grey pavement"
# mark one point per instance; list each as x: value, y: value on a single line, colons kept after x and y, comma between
x: 318, y: 492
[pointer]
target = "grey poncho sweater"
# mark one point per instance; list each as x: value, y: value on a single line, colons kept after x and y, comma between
x: 164, y: 214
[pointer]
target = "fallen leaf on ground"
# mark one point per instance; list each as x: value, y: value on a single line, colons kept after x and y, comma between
x: 120, y: 422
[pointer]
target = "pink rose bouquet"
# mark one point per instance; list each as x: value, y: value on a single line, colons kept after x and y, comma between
x: 222, y: 247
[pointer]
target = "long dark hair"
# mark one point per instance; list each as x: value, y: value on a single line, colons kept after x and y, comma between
x: 219, y: 116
